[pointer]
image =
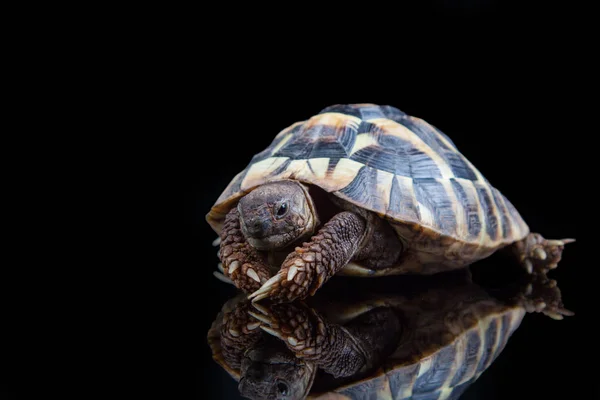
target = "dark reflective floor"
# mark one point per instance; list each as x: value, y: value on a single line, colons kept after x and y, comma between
x: 535, y: 354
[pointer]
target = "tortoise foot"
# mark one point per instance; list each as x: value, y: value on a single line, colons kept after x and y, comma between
x: 242, y: 264
x: 220, y: 274
x: 294, y: 281
x: 539, y: 255
x: 247, y: 277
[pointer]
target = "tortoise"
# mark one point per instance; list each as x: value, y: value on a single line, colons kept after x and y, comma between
x: 363, y: 190
x: 429, y: 341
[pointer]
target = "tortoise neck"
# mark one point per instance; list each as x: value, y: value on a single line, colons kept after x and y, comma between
x: 314, y: 221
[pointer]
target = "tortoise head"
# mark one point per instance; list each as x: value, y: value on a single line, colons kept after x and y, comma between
x: 269, y: 370
x: 276, y: 214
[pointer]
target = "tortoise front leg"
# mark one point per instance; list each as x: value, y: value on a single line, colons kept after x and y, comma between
x: 308, y: 267
x: 242, y: 263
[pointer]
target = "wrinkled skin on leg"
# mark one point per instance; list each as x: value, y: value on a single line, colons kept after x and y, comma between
x: 310, y: 266
x: 345, y: 237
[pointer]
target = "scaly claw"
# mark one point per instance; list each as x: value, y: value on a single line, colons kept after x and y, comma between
x: 252, y: 274
x: 245, y: 276
x: 222, y: 277
x: 233, y: 267
x: 554, y: 315
x: 296, y: 280
x: 216, y: 242
x: 561, y: 242
x: 260, y: 297
x: 270, y: 286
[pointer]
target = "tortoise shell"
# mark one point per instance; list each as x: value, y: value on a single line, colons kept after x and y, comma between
x: 397, y: 166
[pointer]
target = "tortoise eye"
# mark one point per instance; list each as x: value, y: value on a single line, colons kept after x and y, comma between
x: 281, y: 209
x: 282, y: 388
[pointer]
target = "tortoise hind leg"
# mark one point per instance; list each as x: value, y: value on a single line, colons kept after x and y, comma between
x: 382, y: 249
x: 539, y: 255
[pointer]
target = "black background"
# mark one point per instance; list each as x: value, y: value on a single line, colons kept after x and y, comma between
x: 187, y: 96
x: 503, y: 82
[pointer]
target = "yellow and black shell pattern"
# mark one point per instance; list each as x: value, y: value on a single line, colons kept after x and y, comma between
x: 397, y: 166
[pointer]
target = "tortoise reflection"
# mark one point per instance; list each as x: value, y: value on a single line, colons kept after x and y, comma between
x: 424, y: 338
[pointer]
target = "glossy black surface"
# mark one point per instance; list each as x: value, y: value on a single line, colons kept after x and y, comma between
x: 500, y: 280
